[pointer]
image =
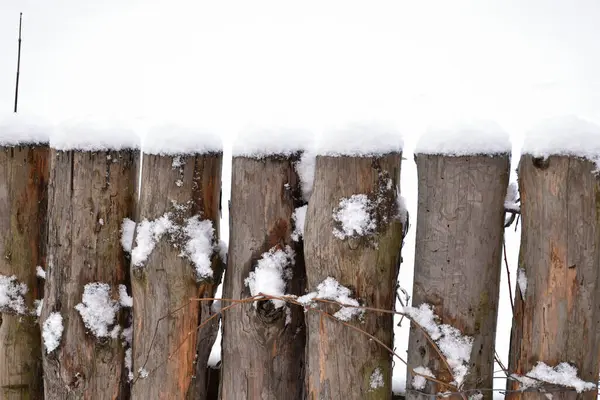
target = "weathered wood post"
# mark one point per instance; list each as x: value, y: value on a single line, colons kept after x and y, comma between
x: 557, y: 307
x: 175, y: 262
x: 460, y: 228
x: 91, y: 190
x: 263, y: 343
x: 23, y: 200
x: 360, y: 249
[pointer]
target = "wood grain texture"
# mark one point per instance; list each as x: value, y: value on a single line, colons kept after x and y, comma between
x: 557, y: 318
x: 23, y: 202
x: 89, y: 194
x: 458, y: 259
x: 341, y: 360
x: 263, y: 357
x: 166, y: 316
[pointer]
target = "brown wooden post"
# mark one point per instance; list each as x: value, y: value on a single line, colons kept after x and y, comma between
x: 263, y: 346
x: 89, y: 195
x: 23, y: 201
x: 342, y: 361
x: 558, y: 310
x: 166, y: 286
x: 458, y: 260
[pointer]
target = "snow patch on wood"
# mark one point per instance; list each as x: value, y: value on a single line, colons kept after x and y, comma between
x: 271, y: 274
x: 125, y: 299
x: 331, y: 289
x: 194, y: 236
x: 455, y: 347
x: 354, y: 217
x: 129, y: 364
x: 306, y: 172
x: 38, y: 304
x: 299, y: 218
x: 98, y: 311
x: 522, y: 281
x: 127, y: 233
x: 11, y: 295
x: 563, y: 374
x: 40, y: 273
x: 198, y: 247
x: 511, y: 202
x: 376, y: 379
x: 52, y: 331
x: 418, y: 381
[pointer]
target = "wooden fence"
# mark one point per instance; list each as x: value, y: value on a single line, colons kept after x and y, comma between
x: 63, y: 214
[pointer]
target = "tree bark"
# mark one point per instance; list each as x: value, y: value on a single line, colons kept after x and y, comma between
x: 460, y: 230
x: 263, y: 351
x: 89, y: 195
x: 556, y: 319
x: 341, y: 360
x: 23, y: 202
x: 166, y: 312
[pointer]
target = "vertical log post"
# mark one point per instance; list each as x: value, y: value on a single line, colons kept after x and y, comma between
x: 89, y: 195
x: 460, y: 228
x: 558, y: 309
x: 166, y: 285
x: 23, y: 202
x: 342, y: 362
x: 263, y: 346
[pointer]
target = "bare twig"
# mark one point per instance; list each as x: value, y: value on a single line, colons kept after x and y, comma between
x: 235, y: 302
x: 500, y: 363
x: 512, y: 304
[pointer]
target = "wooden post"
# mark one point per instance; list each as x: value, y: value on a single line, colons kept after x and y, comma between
x: 89, y: 195
x: 263, y: 347
x: 458, y: 261
x: 165, y: 287
x: 23, y: 201
x: 558, y: 309
x: 342, y: 362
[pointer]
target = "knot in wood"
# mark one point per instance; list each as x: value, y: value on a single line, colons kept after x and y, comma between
x: 541, y: 163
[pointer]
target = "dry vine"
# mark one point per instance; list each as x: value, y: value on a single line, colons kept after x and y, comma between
x: 451, y: 389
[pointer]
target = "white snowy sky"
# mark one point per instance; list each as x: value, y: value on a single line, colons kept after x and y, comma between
x: 229, y: 64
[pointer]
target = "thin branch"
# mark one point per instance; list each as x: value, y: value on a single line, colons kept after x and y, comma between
x: 512, y: 304
x: 500, y: 363
x: 235, y: 302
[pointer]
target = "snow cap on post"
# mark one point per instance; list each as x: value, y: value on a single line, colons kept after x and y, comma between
x: 464, y: 139
x: 21, y: 129
x: 94, y: 134
x: 566, y: 136
x: 359, y: 140
x: 263, y: 142
x: 169, y: 139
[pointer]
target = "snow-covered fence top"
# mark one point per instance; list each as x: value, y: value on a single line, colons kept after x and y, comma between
x: 463, y: 139
x: 174, y: 139
x: 18, y: 129
x: 569, y: 136
x: 264, y: 142
x: 92, y: 134
x: 359, y: 140
x: 103, y: 134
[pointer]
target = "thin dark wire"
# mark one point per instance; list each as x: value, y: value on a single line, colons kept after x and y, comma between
x: 18, y: 64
